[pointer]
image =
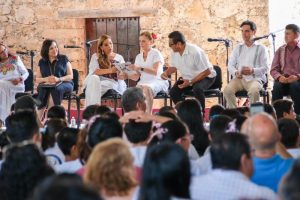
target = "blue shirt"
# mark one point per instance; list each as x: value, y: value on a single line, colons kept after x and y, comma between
x: 268, y: 172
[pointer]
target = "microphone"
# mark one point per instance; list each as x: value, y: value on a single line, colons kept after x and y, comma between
x: 259, y: 38
x: 217, y: 40
x: 22, y: 52
x: 72, y: 46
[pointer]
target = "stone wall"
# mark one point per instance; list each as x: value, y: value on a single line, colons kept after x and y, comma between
x: 25, y: 23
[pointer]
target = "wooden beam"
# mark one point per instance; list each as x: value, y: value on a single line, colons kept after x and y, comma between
x: 102, y: 13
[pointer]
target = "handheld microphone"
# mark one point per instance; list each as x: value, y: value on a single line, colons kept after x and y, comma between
x: 72, y: 46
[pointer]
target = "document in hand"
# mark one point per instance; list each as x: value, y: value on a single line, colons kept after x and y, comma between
x: 123, y: 67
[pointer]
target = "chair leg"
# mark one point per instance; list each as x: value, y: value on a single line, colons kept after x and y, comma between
x: 115, y: 104
x: 165, y: 101
x: 78, y: 111
x: 69, y: 109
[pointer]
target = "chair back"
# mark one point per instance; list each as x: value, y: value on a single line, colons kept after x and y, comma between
x: 218, y: 81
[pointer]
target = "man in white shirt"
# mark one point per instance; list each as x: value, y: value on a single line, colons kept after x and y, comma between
x: 232, y: 167
x: 197, y: 72
x: 248, y: 66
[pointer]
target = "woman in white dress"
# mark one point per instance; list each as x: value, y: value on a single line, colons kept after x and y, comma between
x: 103, y: 75
x: 149, y: 65
x: 13, y: 73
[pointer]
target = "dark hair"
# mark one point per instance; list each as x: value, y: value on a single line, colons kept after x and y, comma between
x: 290, y: 185
x: 167, y: 168
x: 243, y: 110
x: 57, y: 111
x: 169, y: 115
x: 176, y: 37
x: 226, y: 151
x: 218, y: 126
x: 24, y: 167
x: 137, y: 132
x: 293, y: 27
x: 250, y: 23
x: 189, y: 111
x: 25, y: 102
x: 131, y: 97
x: 66, y: 139
x: 173, y: 130
x: 3, y: 142
x: 166, y: 109
x: 64, y: 187
x: 53, y: 127
x: 231, y: 112
x: 103, y: 129
x: 103, y: 109
x: 89, y: 112
x: 282, y: 106
x: 21, y: 126
x: 268, y: 108
x: 289, y: 130
x: 215, y: 110
x: 111, y: 115
x: 239, y: 122
x: 45, y: 48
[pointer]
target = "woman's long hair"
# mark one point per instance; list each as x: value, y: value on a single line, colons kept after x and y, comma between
x: 167, y: 173
x: 190, y: 112
x: 103, y: 59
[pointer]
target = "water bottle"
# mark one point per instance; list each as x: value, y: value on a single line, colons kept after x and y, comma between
x: 73, y: 122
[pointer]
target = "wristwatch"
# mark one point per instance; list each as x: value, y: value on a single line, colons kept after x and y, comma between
x: 190, y: 83
x: 142, y: 69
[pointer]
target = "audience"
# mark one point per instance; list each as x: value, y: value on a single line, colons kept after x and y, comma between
x: 66, y: 141
x: 284, y: 109
x: 269, y: 167
x: 289, y: 130
x: 188, y: 112
x: 64, y: 187
x: 168, y: 173
x: 24, y: 167
x: 138, y: 135
x: 57, y: 112
x: 49, y: 144
x: 215, y: 110
x: 232, y: 168
x: 110, y: 170
x: 133, y: 99
x: 290, y: 185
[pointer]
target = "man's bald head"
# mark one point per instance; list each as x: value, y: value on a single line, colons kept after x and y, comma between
x: 262, y: 131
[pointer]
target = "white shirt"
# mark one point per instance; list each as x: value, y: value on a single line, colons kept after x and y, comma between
x: 255, y: 57
x: 295, y: 153
x: 153, y: 57
x: 138, y: 153
x: 227, y: 185
x: 69, y: 167
x: 54, y: 155
x: 14, y: 68
x: 192, y: 153
x: 192, y: 62
x: 203, y: 165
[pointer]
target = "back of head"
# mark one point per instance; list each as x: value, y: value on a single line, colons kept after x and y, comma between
x: 66, y: 139
x: 218, y: 126
x: 190, y: 112
x: 282, y: 106
x: 289, y: 130
x: 231, y: 112
x: 268, y: 108
x: 215, y: 110
x: 138, y: 132
x: 133, y: 99
x: 89, y: 112
x: 57, y: 112
x: 262, y: 131
x: 103, y: 129
x: 110, y: 168
x: 289, y: 189
x: 167, y: 109
x: 168, y: 173
x: 22, y: 126
x: 51, y: 131
x: 25, y: 103
x: 226, y: 151
x: 64, y: 187
x: 103, y: 109
x: 23, y: 168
